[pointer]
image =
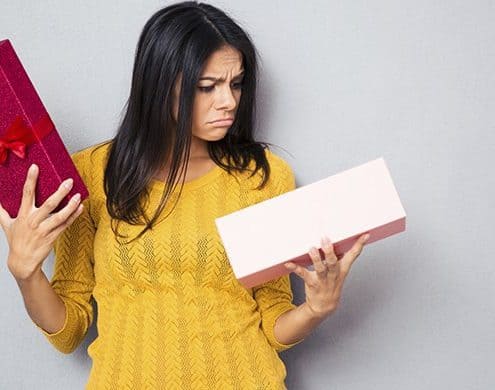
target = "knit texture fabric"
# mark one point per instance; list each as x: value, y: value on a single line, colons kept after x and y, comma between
x: 171, y: 313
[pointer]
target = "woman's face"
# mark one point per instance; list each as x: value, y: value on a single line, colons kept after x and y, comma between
x: 217, y: 96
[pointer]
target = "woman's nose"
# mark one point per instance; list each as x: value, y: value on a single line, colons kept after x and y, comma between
x: 226, y: 99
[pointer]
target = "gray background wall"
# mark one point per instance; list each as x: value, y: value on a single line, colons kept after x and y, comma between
x: 342, y: 82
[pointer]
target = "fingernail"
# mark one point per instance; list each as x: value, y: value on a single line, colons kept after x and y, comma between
x: 290, y: 265
x: 33, y: 167
x: 366, y: 237
x: 76, y: 197
x: 68, y: 183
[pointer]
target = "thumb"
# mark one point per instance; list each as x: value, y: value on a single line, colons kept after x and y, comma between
x: 5, y: 219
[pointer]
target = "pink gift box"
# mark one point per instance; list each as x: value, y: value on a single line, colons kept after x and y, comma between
x: 260, y: 238
x: 27, y: 136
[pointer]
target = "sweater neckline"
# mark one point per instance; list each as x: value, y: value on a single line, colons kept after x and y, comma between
x: 190, y: 185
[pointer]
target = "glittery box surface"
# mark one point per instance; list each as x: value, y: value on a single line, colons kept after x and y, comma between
x: 19, y: 101
x: 343, y: 206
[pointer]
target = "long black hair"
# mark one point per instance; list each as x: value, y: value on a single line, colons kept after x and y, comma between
x: 176, y: 41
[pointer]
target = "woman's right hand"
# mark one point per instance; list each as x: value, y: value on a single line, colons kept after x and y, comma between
x: 32, y: 234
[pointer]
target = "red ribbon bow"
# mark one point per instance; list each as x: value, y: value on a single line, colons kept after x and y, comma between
x: 19, y: 135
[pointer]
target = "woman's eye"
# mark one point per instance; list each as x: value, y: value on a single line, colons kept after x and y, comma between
x: 205, y: 89
x: 210, y: 88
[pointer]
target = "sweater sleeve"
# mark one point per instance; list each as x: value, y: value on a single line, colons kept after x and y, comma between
x: 275, y: 296
x: 73, y: 276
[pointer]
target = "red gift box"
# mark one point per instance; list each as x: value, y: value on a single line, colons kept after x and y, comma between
x: 27, y: 136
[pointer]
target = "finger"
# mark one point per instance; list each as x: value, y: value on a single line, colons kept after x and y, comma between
x: 53, y: 201
x: 352, y: 254
x: 27, y: 201
x: 52, y: 236
x: 59, y: 218
x: 5, y: 219
x: 327, y: 247
x: 320, y: 268
x: 331, y: 260
x: 302, y: 272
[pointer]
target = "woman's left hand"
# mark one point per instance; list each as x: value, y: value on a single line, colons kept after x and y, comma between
x: 323, y: 286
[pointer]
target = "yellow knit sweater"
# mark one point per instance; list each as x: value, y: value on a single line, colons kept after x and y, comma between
x: 171, y: 313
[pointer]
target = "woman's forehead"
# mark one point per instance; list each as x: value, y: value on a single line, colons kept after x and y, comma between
x: 223, y: 61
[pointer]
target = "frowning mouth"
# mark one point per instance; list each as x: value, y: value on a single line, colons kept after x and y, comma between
x: 223, y: 120
x: 222, y: 123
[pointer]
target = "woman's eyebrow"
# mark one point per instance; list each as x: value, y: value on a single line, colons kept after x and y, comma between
x: 219, y: 79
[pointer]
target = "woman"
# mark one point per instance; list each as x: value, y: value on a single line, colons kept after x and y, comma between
x: 171, y: 313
